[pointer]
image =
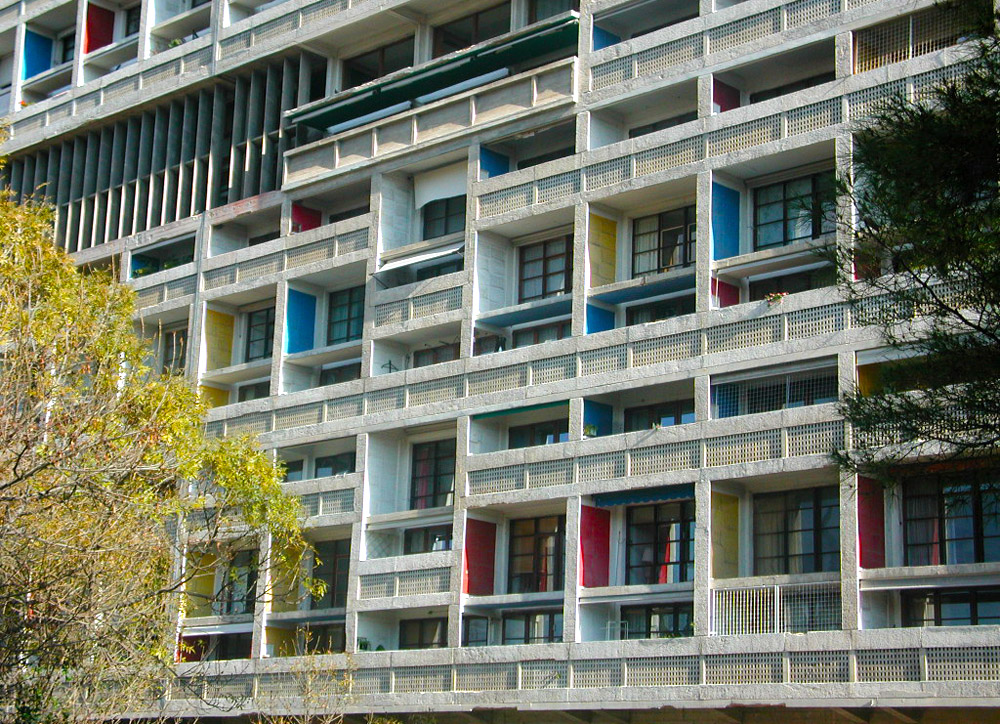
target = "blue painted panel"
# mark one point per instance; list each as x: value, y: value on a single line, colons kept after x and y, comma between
x: 493, y: 163
x: 301, y: 321
x: 604, y: 39
x: 725, y: 222
x: 599, y: 319
x: 599, y: 415
x: 37, y: 54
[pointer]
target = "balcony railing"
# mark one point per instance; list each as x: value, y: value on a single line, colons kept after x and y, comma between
x: 788, y: 608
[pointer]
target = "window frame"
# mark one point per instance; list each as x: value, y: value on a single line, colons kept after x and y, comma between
x: 350, y: 65
x: 441, y: 482
x: 424, y: 626
x: 333, y: 570
x: 559, y: 432
x: 533, y: 10
x: 440, y: 31
x: 435, y: 355
x: 553, y: 625
x: 973, y: 598
x: 819, y: 202
x: 563, y: 327
x: 678, y: 409
x: 674, y: 610
x: 452, y: 218
x: 267, y: 340
x: 353, y: 300
x: 427, y: 539
x: 976, y: 481
x: 227, y: 604
x: 819, y: 552
x: 687, y: 248
x: 537, y: 579
x: 173, y: 354
x: 547, y: 260
x: 663, y: 539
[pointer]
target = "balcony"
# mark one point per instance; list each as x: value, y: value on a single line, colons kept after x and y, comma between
x: 541, y: 89
x: 778, y: 608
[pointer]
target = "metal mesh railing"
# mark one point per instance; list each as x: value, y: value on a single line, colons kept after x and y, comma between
x: 792, y: 608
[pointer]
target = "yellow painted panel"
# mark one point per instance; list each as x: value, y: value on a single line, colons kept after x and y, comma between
x: 285, y: 593
x: 281, y: 641
x: 201, y: 584
x: 213, y: 396
x: 219, y: 328
x: 725, y: 535
x: 870, y: 379
x: 602, y: 250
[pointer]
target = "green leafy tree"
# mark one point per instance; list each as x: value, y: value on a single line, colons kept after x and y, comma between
x: 105, y: 473
x: 925, y: 241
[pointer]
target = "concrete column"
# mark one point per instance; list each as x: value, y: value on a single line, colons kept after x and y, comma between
x: 702, y: 398
x: 581, y: 266
x: 576, y: 419
x: 703, y: 245
x: 458, y: 531
x: 571, y: 628
x: 844, y: 54
x: 702, y: 554
x: 263, y: 598
x: 81, y: 24
x: 850, y: 603
x: 278, y: 353
x: 705, y: 95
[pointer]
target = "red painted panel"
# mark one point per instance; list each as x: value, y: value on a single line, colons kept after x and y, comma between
x: 728, y: 294
x: 100, y: 30
x: 304, y: 218
x: 871, y: 523
x: 192, y: 648
x: 478, y: 557
x: 595, y: 546
x: 725, y: 97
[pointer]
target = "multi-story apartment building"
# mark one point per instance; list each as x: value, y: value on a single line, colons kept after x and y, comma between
x: 501, y: 283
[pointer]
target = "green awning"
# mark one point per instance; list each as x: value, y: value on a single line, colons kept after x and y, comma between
x: 406, y: 87
x: 659, y: 494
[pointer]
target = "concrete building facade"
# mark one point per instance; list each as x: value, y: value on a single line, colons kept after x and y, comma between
x: 526, y: 297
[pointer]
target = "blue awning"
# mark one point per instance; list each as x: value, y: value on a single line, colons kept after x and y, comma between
x: 645, y: 495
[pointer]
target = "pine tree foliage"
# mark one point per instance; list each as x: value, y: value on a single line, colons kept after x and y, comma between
x: 105, y: 474
x: 924, y: 266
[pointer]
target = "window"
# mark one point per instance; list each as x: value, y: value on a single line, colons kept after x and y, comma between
x: 341, y: 373
x: 538, y: 433
x: 793, y: 210
x: 434, y: 355
x: 546, y: 269
x: 659, y: 543
x: 322, y: 639
x: 432, y: 478
x: 533, y: 627
x: 439, y: 270
x: 132, y: 17
x: 239, y: 586
x: 488, y: 344
x: 665, y: 621
x: 541, y: 9
x: 333, y: 559
x: 963, y: 607
x: 657, y: 311
x: 229, y: 647
x: 545, y: 157
x: 346, y: 315
x: 952, y: 518
x: 536, y: 554
x: 376, y: 63
x: 475, y: 631
x: 425, y: 540
x: 424, y: 633
x: 542, y: 333
x: 661, y: 414
x: 799, y: 389
x: 174, y: 350
x: 793, y: 283
x: 294, y: 470
x: 471, y: 29
x: 663, y: 124
x: 663, y: 241
x: 253, y: 391
x: 797, y: 531
x: 444, y: 216
x: 260, y: 334
x: 329, y: 465
x: 66, y: 47
x: 765, y: 95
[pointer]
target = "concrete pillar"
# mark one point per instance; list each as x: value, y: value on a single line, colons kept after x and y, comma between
x: 571, y: 628
x: 703, y: 245
x: 702, y: 554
